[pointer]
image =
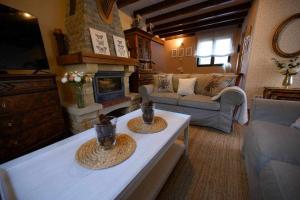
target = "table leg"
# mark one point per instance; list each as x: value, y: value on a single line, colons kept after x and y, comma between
x: 186, y: 140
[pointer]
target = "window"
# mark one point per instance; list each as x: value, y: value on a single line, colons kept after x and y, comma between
x: 212, y: 61
x: 214, y: 52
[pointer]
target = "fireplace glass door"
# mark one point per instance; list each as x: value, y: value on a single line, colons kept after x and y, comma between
x: 109, y: 84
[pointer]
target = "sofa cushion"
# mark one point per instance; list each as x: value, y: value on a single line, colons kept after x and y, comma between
x: 201, y: 81
x: 279, y: 180
x: 166, y: 98
x: 217, y: 83
x: 176, y: 78
x: 212, y: 84
x: 186, y: 86
x: 267, y: 141
x: 164, y: 83
x: 199, y: 101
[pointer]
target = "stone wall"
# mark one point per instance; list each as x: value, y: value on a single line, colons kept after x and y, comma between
x: 87, y: 16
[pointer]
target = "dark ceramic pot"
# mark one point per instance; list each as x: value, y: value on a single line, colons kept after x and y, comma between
x: 148, y: 114
x: 106, y: 135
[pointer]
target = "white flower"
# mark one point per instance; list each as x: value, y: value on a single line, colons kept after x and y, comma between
x: 293, y: 70
x: 77, y: 79
x: 66, y: 74
x: 64, y: 80
x: 283, y: 70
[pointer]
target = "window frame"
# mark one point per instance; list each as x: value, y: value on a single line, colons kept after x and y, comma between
x: 212, y: 61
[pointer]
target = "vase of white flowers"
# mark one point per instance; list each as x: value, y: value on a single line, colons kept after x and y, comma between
x: 77, y: 80
x: 288, y: 68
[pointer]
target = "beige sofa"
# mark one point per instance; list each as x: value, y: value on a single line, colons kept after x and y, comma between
x: 204, y: 111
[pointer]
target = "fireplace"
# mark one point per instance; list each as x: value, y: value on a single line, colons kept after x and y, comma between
x: 108, y: 85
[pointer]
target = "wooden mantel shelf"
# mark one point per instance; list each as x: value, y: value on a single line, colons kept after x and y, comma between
x: 90, y: 58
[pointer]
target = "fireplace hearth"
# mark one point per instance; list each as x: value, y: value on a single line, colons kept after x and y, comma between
x: 108, y: 85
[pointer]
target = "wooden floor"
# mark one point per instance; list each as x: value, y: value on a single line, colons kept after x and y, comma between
x: 213, y: 170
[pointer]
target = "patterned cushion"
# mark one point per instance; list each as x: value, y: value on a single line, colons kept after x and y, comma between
x: 217, y: 83
x: 201, y: 82
x: 163, y: 83
x: 176, y: 78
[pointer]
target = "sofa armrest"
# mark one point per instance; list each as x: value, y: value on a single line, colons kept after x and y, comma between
x: 145, y: 91
x: 232, y: 97
x: 277, y: 111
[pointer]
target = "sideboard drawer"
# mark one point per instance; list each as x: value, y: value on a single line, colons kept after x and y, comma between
x: 26, y: 102
x: 9, y: 125
x: 14, y: 87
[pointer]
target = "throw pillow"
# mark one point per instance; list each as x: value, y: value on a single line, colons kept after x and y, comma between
x: 164, y: 83
x: 217, y: 83
x: 201, y: 81
x: 176, y: 78
x: 296, y: 124
x: 186, y: 86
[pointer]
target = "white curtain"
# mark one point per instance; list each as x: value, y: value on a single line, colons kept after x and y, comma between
x: 215, y: 43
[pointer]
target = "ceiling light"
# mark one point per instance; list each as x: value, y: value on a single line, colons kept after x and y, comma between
x: 27, y: 15
x: 179, y: 42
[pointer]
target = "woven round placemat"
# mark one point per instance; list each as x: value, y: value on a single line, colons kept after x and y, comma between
x: 91, y: 155
x: 137, y: 125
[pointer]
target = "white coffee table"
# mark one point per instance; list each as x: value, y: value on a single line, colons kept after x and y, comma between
x: 53, y: 173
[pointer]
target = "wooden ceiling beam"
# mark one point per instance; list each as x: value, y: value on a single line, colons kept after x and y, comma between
x: 180, y: 36
x: 206, y: 21
x: 201, y: 28
x: 123, y: 3
x: 228, y: 10
x: 158, y: 6
x: 186, y: 10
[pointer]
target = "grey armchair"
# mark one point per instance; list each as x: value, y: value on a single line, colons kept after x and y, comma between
x: 271, y: 150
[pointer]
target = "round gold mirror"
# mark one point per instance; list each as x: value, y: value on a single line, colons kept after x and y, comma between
x: 286, y: 40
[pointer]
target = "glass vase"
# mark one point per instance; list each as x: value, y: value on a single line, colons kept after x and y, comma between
x: 106, y: 134
x: 148, y: 114
x: 79, y: 97
x: 287, y: 81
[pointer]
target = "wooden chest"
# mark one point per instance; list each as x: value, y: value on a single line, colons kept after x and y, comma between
x: 30, y: 114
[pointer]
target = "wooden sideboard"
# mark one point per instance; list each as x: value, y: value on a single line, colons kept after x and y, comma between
x: 30, y: 114
x: 291, y: 94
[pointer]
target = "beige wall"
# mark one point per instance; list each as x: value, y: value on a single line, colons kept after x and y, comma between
x: 158, y: 56
x: 51, y: 15
x: 166, y: 63
x: 126, y: 20
x: 261, y: 71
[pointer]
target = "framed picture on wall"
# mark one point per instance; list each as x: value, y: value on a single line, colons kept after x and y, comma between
x: 174, y: 53
x: 120, y: 46
x: 189, y: 51
x: 99, y: 41
x: 180, y: 52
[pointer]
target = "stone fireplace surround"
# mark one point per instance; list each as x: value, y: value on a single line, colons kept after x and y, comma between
x: 82, y: 119
x: 82, y: 58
